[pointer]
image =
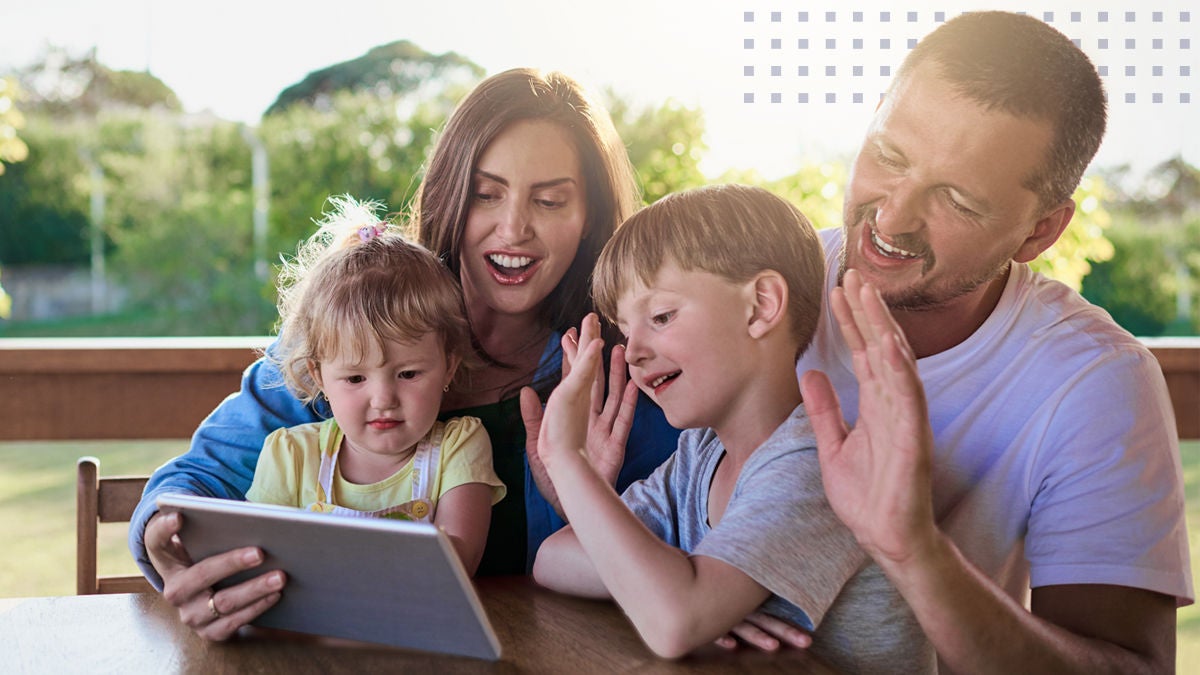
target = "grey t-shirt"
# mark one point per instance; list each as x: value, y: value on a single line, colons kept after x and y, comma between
x: 780, y: 531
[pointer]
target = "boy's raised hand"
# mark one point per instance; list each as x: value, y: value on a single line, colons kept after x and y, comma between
x: 878, y: 474
x: 578, y: 397
x: 609, y: 417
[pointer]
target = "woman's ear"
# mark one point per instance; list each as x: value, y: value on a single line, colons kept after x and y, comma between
x: 769, y: 304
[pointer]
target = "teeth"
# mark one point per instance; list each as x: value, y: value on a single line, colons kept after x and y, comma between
x: 889, y: 249
x: 510, y: 261
x: 659, y: 380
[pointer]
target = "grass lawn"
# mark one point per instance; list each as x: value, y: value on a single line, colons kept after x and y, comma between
x: 37, y: 519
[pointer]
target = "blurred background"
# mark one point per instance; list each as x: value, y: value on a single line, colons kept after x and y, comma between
x: 159, y: 157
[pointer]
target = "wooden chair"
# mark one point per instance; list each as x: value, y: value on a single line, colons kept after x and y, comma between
x: 102, y: 500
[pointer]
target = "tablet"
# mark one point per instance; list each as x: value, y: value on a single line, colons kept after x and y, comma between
x: 393, y: 582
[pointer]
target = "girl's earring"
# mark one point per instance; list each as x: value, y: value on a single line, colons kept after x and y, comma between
x: 446, y: 388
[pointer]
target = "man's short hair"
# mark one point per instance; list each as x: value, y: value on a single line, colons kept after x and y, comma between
x: 1019, y: 65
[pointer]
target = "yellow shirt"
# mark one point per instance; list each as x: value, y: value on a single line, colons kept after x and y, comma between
x: 291, y: 458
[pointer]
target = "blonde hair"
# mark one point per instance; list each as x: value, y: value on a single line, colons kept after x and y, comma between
x: 360, y: 282
x: 732, y: 231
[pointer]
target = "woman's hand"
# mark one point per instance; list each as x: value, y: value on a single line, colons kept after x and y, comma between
x: 609, y: 417
x: 188, y: 586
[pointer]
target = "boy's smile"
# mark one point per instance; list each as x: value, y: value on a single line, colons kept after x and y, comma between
x: 686, y: 344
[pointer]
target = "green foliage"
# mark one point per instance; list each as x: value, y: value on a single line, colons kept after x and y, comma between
x: 665, y: 145
x: 394, y: 69
x: 67, y: 86
x: 12, y: 148
x: 816, y: 189
x: 1069, y: 259
x: 1133, y: 284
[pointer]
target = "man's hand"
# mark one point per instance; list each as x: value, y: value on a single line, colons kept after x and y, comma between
x: 878, y: 475
x: 188, y: 586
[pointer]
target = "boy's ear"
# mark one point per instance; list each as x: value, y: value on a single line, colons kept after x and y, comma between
x: 770, y: 302
x: 1045, y: 232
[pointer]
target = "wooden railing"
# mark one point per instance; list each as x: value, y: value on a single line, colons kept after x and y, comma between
x: 100, y: 388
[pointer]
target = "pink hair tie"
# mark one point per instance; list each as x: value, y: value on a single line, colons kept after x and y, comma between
x: 369, y: 232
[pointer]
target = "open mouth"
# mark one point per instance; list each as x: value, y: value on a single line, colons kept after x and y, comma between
x: 889, y: 250
x: 510, y: 265
x: 662, y: 379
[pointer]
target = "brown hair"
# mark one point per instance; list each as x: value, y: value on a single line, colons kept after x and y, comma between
x: 345, y: 291
x: 733, y: 231
x: 444, y: 197
x: 1019, y: 65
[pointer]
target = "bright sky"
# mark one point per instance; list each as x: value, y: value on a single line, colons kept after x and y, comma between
x: 234, y: 57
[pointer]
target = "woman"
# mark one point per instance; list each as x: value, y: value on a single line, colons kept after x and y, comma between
x: 527, y: 182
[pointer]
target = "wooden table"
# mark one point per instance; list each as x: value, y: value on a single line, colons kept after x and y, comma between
x: 539, y: 631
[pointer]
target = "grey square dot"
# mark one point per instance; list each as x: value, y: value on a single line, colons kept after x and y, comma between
x: 1156, y: 17
x: 830, y: 17
x: 1185, y: 97
x: 1102, y: 43
x: 1185, y: 16
x: 831, y: 97
x: 1185, y: 43
x: 912, y: 43
x: 802, y: 43
x: 748, y: 71
x: 1076, y: 17
x: 1077, y: 42
x: 939, y: 17
x: 803, y: 97
x: 1156, y: 98
x: 885, y: 43
x: 1102, y: 17
x: 857, y: 43
x: 748, y: 43
x: 885, y: 71
x: 858, y: 98
x: 776, y: 98
x: 830, y: 71
x: 1185, y: 71
x: 747, y: 16
x: 1131, y: 97
x: 803, y: 17
x: 1130, y: 43
x: 776, y: 71
x: 1156, y: 43
x: 1048, y: 17
x: 1102, y: 70
x: 1130, y: 71
x: 1156, y: 71
x: 830, y: 43
x: 802, y: 71
x: 885, y: 17
x: 857, y: 17
x: 747, y: 98
x: 912, y: 17
x: 857, y: 70
x: 1130, y: 17
x: 776, y: 43
x: 776, y: 17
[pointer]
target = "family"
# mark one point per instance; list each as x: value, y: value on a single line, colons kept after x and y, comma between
x: 900, y: 448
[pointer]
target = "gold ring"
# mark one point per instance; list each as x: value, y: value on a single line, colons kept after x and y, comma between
x: 212, y: 607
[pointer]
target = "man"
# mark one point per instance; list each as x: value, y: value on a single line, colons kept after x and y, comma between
x: 1052, y: 462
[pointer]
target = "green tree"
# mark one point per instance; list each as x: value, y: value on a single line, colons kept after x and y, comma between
x: 394, y: 69
x: 665, y: 144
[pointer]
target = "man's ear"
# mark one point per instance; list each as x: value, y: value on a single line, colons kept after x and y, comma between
x: 1046, y: 231
x: 770, y: 302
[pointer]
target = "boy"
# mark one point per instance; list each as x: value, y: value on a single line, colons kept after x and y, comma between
x: 717, y: 291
